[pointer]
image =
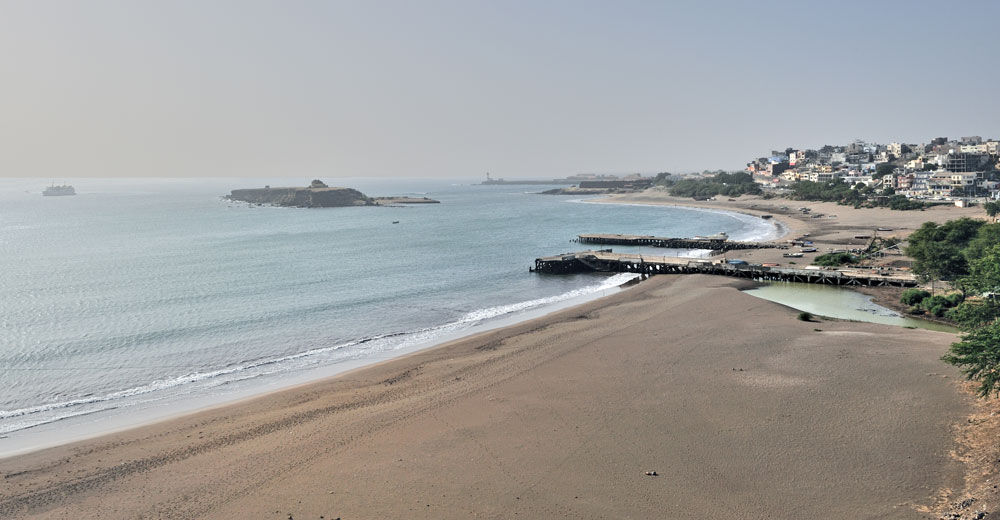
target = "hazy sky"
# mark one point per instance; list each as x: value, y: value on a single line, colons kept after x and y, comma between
x: 457, y: 88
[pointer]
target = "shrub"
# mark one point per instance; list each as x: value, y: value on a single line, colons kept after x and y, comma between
x: 934, y: 301
x: 722, y: 183
x: 914, y: 296
x: 835, y: 259
x: 805, y: 316
x: 938, y: 304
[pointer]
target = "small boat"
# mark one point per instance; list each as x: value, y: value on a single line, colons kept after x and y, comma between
x: 395, y: 222
x: 884, y: 229
x: 792, y: 255
x: 809, y: 249
x: 765, y: 217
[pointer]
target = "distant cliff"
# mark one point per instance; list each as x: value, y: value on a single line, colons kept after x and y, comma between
x: 317, y: 195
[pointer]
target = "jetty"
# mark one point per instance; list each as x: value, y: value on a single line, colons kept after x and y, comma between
x: 715, y: 245
x: 399, y: 201
x: 606, y: 261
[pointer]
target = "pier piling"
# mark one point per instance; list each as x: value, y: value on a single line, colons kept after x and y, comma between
x: 609, y: 262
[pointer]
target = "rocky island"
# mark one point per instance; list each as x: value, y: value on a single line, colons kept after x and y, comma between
x: 318, y: 195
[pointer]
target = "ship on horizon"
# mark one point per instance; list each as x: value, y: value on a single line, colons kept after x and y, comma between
x: 56, y: 191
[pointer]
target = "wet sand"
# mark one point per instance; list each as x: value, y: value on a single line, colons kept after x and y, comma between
x: 742, y: 410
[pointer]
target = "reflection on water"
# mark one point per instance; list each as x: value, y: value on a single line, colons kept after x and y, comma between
x: 838, y: 302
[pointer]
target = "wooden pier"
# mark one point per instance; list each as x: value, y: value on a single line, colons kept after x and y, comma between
x: 609, y: 262
x: 716, y: 246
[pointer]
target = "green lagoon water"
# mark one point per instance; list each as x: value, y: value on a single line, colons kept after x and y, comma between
x: 839, y: 302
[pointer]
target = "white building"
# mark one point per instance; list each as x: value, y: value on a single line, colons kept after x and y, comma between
x: 853, y: 180
x: 979, y: 148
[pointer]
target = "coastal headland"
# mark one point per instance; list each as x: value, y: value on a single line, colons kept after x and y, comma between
x: 741, y: 410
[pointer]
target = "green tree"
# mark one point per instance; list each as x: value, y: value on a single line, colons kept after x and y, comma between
x: 992, y: 209
x: 972, y: 314
x: 883, y: 169
x: 937, y: 250
x: 988, y: 235
x: 663, y: 178
x: 938, y: 260
x: 978, y: 357
x: 984, y: 272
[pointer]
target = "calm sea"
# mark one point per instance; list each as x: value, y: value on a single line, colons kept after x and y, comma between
x: 139, y: 293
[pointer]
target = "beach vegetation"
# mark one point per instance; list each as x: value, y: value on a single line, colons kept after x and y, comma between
x: 830, y: 191
x: 858, y: 195
x: 939, y: 250
x: 902, y: 203
x: 987, y: 236
x: 992, y: 208
x: 984, y: 269
x: 663, y: 178
x: 805, y: 316
x: 914, y: 296
x: 938, y: 305
x: 967, y: 253
x: 835, y: 259
x: 978, y: 357
x: 722, y: 183
x: 974, y: 312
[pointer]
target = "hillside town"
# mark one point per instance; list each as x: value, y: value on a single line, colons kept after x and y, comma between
x: 961, y: 170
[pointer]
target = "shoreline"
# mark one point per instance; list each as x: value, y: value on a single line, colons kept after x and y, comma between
x: 91, y: 425
x: 781, y: 227
x: 557, y: 417
x: 99, y: 423
x: 827, y: 234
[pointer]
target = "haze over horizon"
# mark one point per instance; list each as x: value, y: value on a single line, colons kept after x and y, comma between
x: 458, y: 88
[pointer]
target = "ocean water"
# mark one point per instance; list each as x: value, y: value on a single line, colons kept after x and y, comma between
x: 140, y: 292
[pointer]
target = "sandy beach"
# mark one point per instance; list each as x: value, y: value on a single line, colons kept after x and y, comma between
x: 742, y: 410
